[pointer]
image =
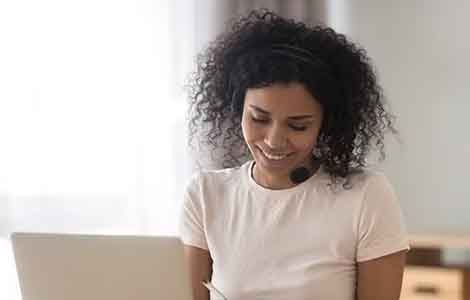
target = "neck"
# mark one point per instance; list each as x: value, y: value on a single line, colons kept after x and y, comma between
x: 281, y: 181
x: 271, y: 181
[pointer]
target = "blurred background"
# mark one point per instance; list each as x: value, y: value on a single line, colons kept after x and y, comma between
x: 92, y: 109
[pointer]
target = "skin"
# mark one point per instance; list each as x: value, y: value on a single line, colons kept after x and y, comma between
x: 200, y: 267
x: 285, y: 119
x: 381, y: 278
x: 281, y: 119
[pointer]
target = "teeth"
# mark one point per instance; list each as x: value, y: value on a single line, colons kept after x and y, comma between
x: 274, y: 157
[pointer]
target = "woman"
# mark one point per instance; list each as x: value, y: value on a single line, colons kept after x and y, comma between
x: 304, y: 219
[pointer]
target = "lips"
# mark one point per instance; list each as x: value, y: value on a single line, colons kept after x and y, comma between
x: 273, y: 155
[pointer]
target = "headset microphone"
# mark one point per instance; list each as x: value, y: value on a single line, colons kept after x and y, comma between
x: 299, y: 175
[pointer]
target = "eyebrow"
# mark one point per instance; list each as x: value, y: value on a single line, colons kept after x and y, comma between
x: 299, y: 117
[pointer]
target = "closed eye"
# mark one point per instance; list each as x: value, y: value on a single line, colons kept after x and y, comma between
x: 298, y: 127
x: 292, y: 126
x: 258, y: 120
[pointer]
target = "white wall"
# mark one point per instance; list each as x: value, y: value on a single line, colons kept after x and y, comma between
x: 421, y: 50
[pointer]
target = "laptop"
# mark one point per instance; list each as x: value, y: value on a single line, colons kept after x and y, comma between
x: 99, y: 267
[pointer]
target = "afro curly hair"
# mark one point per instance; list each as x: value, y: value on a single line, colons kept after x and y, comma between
x: 264, y: 48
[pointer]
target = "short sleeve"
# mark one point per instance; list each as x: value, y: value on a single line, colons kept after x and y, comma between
x: 381, y: 228
x: 191, y: 225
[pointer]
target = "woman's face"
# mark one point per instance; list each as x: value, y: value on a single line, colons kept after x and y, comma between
x: 280, y: 124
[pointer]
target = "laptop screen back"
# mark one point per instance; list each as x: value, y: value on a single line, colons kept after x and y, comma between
x: 93, y: 267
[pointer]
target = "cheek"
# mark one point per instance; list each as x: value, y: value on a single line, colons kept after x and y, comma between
x: 251, y: 132
x: 247, y: 131
x: 305, y: 146
x: 306, y: 143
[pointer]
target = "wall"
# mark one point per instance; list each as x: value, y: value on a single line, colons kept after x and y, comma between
x: 421, y: 50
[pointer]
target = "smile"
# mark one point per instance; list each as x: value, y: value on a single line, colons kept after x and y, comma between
x: 274, y: 156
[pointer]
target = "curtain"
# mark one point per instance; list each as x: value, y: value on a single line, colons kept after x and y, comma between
x: 92, y: 112
x: 92, y: 118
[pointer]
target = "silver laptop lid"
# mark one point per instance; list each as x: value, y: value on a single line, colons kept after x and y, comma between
x: 95, y: 267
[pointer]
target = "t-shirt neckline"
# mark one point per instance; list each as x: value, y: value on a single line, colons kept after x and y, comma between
x: 298, y: 188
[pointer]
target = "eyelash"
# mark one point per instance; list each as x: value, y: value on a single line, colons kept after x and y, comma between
x: 264, y: 121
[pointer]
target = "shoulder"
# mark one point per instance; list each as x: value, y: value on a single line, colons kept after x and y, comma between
x: 376, y: 183
x: 362, y: 185
x: 365, y: 179
x: 373, y: 191
x: 217, y: 179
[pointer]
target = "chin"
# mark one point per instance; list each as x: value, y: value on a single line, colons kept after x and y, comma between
x: 275, y: 167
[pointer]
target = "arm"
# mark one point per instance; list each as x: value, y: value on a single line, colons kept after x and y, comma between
x: 200, y: 268
x: 381, y: 278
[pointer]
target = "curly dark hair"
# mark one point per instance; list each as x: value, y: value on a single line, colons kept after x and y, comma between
x: 262, y: 49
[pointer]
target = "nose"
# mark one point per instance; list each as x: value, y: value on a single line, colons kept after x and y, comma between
x: 275, y: 138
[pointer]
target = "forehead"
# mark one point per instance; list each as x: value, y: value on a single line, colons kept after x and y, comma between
x: 283, y: 99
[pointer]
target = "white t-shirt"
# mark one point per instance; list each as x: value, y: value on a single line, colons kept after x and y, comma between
x: 293, y: 244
